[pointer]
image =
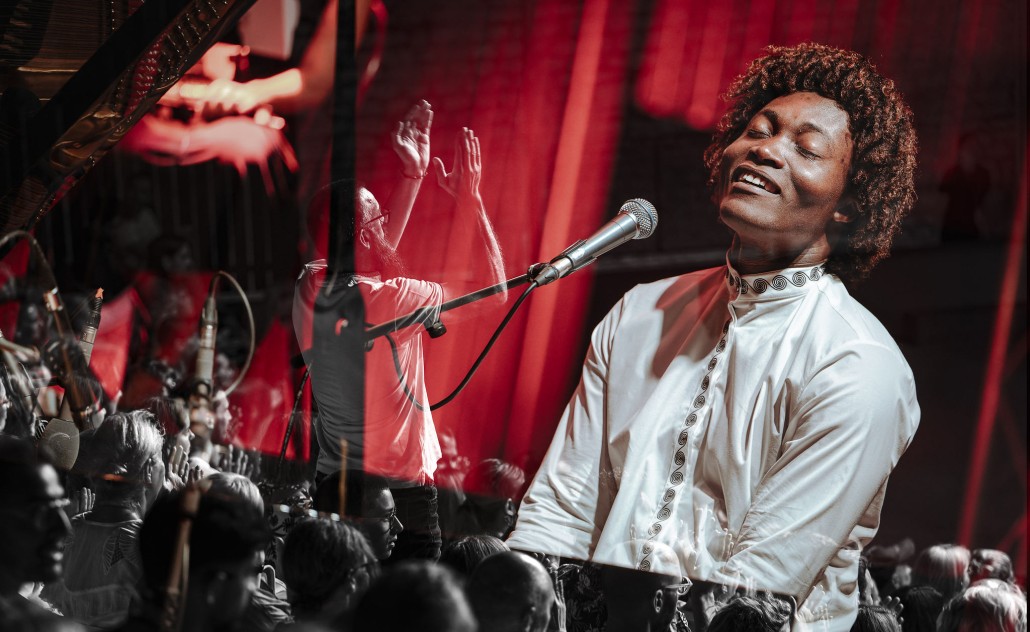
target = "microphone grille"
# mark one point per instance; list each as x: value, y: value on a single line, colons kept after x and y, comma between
x: 62, y: 437
x: 645, y: 214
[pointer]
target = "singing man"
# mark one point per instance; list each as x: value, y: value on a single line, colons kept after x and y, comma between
x: 737, y: 425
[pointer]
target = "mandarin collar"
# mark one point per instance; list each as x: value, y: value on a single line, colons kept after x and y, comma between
x: 774, y: 284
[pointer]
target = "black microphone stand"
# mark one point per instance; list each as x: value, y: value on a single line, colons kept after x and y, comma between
x: 423, y: 313
x: 435, y: 329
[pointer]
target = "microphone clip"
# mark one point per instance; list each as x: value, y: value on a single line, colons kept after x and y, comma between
x: 436, y: 329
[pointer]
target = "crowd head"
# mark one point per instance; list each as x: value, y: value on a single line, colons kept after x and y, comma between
x: 876, y: 619
x: 944, y: 567
x: 368, y: 502
x: 511, y: 591
x: 987, y: 606
x: 123, y: 459
x: 414, y: 596
x: 990, y: 564
x: 759, y: 613
x: 34, y: 523
x: 921, y: 606
x: 464, y: 554
x: 227, y: 537
x: 492, y: 488
x: 327, y: 566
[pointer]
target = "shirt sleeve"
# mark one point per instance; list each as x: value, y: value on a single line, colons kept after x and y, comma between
x: 399, y: 297
x: 852, y: 421
x: 569, y: 500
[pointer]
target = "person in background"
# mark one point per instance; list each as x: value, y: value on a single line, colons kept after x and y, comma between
x: 511, y: 592
x: 391, y: 433
x: 888, y: 565
x: 945, y: 567
x: 988, y: 563
x: 266, y: 610
x: 227, y: 536
x: 920, y: 607
x: 758, y: 613
x: 491, y: 489
x: 463, y: 555
x: 102, y: 562
x: 369, y: 503
x: 33, y: 526
x: 875, y: 619
x: 328, y: 565
x: 988, y: 606
x: 414, y: 595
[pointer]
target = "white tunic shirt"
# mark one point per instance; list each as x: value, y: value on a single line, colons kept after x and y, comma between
x: 730, y: 429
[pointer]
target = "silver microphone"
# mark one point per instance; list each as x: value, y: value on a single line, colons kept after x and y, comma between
x: 637, y: 219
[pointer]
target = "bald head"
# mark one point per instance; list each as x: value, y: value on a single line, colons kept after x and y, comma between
x: 511, y: 592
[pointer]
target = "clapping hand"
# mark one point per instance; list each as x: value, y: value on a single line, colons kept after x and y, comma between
x: 411, y: 140
x: 466, y: 170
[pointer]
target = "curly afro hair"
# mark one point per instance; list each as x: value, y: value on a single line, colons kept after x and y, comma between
x: 883, y: 164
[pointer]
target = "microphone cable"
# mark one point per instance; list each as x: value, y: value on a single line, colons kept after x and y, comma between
x: 475, y: 365
x: 212, y: 290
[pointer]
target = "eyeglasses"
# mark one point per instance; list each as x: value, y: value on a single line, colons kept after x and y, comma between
x: 390, y: 520
x: 384, y: 215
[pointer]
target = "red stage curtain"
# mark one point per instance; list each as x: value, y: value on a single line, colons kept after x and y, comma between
x: 542, y: 84
x: 693, y: 49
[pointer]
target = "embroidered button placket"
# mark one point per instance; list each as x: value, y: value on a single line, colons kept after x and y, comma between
x: 679, y: 458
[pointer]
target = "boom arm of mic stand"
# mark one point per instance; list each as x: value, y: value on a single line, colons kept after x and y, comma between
x: 423, y: 313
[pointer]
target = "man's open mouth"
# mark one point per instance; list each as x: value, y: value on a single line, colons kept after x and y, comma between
x: 755, y: 179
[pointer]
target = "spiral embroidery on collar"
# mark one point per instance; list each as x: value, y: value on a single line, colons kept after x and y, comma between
x: 679, y: 459
x: 778, y: 282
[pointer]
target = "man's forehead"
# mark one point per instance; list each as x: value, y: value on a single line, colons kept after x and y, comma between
x: 381, y: 505
x: 366, y: 199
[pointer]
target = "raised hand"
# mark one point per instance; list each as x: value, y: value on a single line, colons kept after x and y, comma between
x: 410, y: 140
x: 82, y: 502
x: 194, y: 476
x: 175, y: 471
x: 894, y: 605
x: 239, y: 461
x: 466, y: 170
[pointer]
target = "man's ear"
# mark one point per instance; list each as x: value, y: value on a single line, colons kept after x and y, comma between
x: 363, y: 238
x: 528, y: 619
x: 846, y: 211
x: 148, y: 472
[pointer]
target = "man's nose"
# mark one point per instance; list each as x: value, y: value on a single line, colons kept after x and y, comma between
x: 767, y: 151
